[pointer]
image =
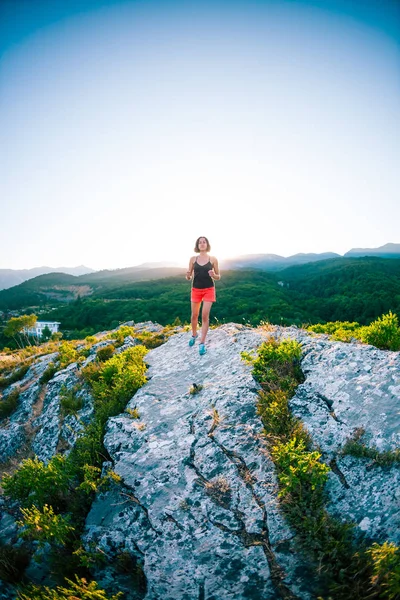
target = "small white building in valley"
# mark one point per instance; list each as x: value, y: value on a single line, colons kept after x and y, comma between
x: 37, y: 329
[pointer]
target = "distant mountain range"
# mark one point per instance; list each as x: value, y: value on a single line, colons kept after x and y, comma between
x: 386, y: 251
x: 11, y: 277
x: 154, y: 270
x: 274, y: 262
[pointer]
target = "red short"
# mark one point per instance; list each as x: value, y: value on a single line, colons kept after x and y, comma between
x: 207, y: 294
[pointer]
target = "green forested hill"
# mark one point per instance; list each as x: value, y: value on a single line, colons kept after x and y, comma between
x: 52, y: 288
x: 343, y: 288
x: 353, y: 289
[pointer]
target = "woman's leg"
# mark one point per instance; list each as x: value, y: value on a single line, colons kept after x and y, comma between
x: 205, y: 320
x: 195, y: 316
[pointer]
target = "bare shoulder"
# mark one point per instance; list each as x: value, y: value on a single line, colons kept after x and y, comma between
x: 214, y: 259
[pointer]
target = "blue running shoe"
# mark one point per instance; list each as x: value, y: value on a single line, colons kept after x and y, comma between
x: 202, y: 349
x: 192, y: 340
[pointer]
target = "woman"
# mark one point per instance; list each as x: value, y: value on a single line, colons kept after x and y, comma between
x: 205, y: 270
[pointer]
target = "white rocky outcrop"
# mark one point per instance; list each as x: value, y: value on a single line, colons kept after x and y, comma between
x: 198, y: 504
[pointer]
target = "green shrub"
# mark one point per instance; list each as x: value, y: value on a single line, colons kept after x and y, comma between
x: 56, y: 336
x: 70, y: 403
x: 386, y: 569
x: 49, y: 373
x: 151, y: 339
x: 17, y: 375
x: 355, y: 447
x: 45, y: 526
x: 105, y: 353
x: 91, y: 372
x: 119, y: 378
x: 278, y: 365
x: 195, y: 389
x: 273, y: 407
x: 345, y: 335
x: 83, y: 353
x: 121, y: 333
x: 346, y: 328
x: 37, y: 483
x: 9, y: 404
x: 79, y: 589
x: 383, y: 333
x: 133, y: 412
x: 299, y: 471
x: 91, y: 478
x: 88, y: 448
x: 68, y: 354
x: 95, y: 557
x: 249, y: 357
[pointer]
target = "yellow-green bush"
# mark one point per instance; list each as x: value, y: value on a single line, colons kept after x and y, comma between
x: 91, y: 372
x: 68, y: 354
x: 105, y: 353
x: 273, y: 408
x: 153, y: 339
x: 118, y: 379
x: 383, y: 333
x: 37, y: 483
x: 332, y: 327
x: 386, y: 569
x: 121, y: 333
x: 278, y: 365
x: 91, y: 478
x: 80, y: 589
x: 45, y: 526
x: 299, y: 471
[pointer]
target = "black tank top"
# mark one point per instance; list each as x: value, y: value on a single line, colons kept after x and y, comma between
x: 201, y: 277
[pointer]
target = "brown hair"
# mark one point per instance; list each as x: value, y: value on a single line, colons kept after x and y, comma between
x: 196, y: 246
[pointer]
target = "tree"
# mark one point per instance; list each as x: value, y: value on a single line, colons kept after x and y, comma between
x: 46, y: 334
x: 16, y: 325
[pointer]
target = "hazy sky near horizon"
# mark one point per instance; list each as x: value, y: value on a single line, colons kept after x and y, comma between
x: 130, y: 128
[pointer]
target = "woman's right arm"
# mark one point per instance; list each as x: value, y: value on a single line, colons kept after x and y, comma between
x: 190, y: 270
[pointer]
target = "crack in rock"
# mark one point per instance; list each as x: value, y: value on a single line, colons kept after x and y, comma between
x: 248, y: 539
x: 133, y: 498
x: 334, y: 466
x: 252, y: 539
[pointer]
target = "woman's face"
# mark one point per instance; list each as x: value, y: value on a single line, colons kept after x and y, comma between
x: 202, y: 243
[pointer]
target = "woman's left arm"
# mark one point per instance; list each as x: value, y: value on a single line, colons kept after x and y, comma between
x: 214, y: 272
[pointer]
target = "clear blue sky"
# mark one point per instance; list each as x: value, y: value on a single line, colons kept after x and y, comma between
x: 128, y: 129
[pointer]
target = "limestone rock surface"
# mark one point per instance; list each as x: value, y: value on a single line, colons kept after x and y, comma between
x: 198, y: 505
